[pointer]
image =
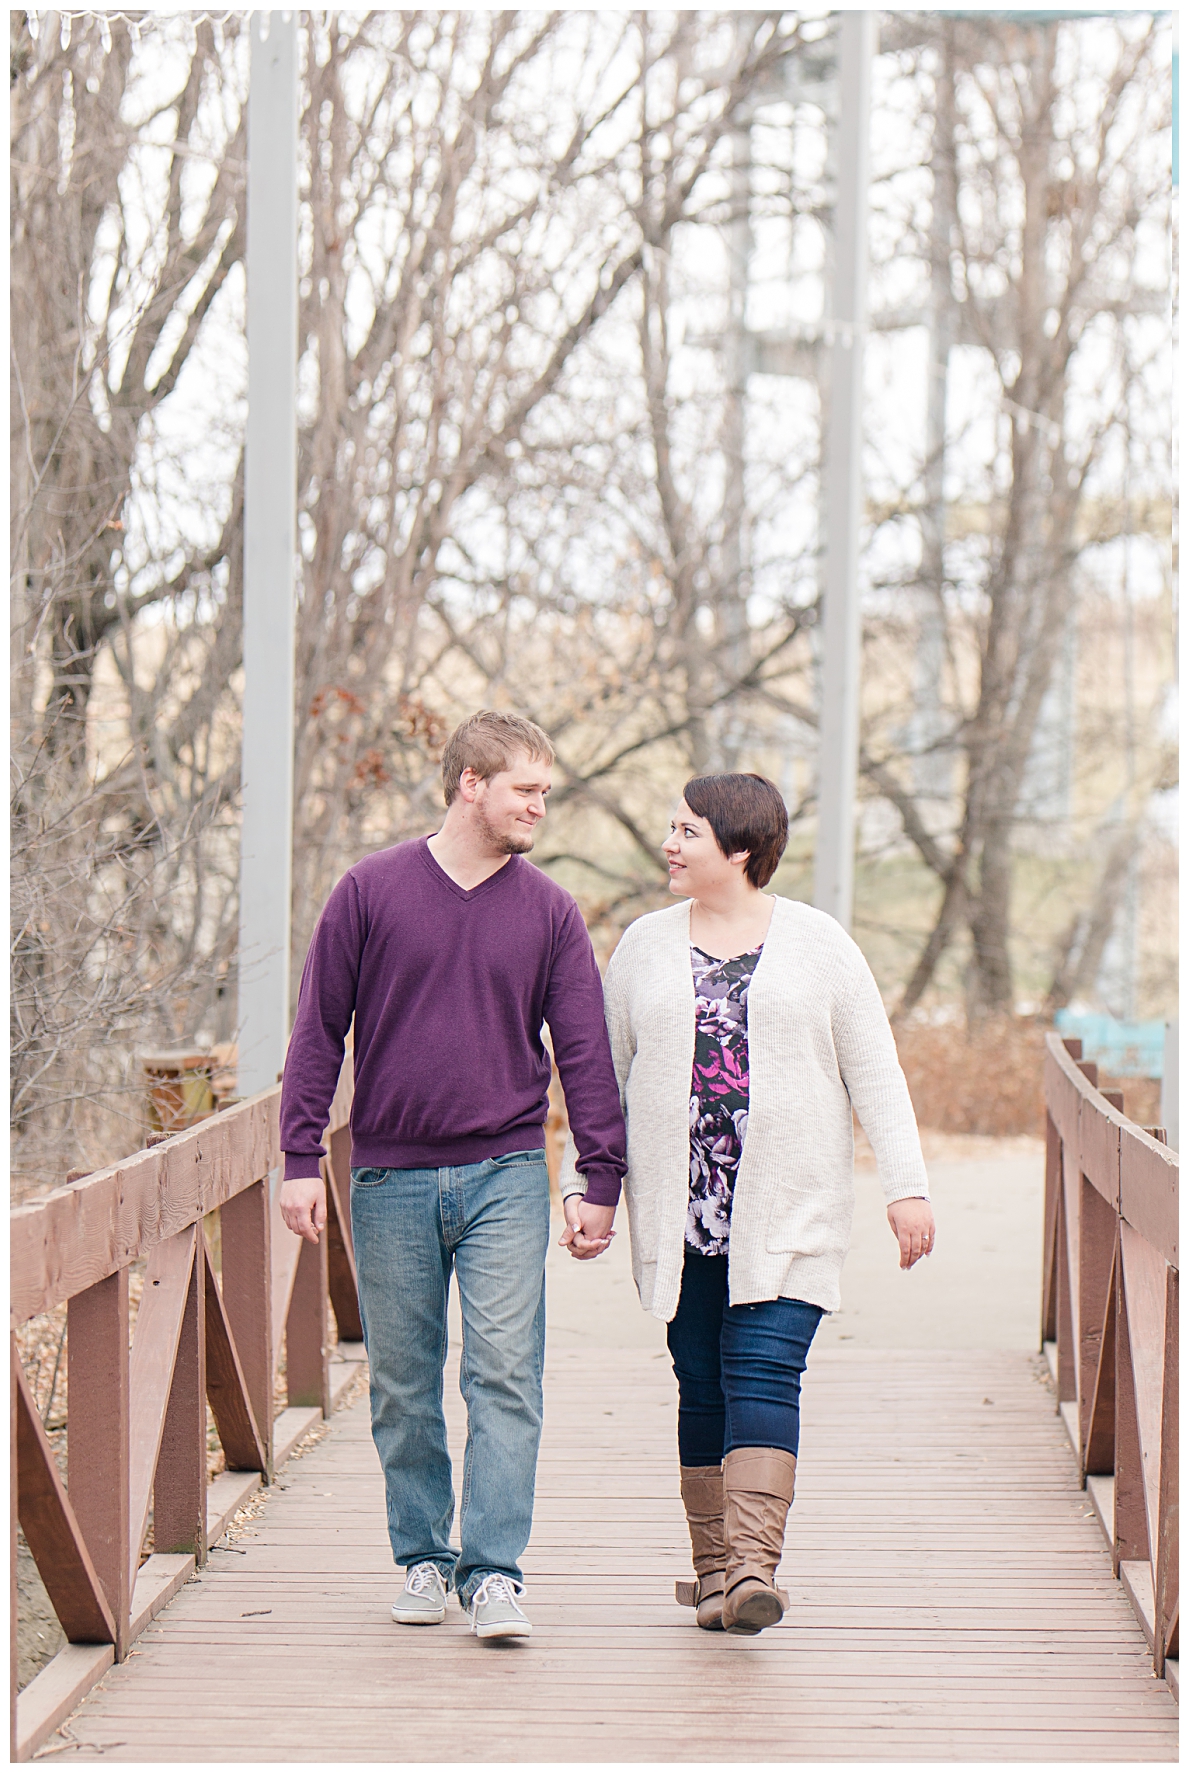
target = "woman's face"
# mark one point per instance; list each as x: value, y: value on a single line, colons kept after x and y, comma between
x: 696, y: 864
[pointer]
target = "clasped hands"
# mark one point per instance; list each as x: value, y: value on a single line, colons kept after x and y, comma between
x: 588, y: 1228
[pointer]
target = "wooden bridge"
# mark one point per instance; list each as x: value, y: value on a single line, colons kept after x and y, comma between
x: 982, y: 1557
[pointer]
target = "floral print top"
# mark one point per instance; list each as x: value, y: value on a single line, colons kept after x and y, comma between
x: 718, y: 1095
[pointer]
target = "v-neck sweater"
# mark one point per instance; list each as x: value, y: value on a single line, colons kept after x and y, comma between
x: 448, y: 988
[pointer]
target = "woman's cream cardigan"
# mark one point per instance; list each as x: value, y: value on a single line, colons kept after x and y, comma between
x: 818, y: 1041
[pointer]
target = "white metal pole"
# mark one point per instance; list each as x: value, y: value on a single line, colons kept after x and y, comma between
x: 270, y: 541
x: 838, y: 754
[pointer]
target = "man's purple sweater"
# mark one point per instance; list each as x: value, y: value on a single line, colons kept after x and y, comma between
x: 448, y: 990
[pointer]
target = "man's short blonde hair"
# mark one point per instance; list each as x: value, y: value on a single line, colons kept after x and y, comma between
x: 487, y: 742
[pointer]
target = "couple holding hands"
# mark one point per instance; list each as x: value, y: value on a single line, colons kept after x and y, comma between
x: 712, y: 1076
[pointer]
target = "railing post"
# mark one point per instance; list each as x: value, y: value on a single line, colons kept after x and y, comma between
x: 307, y: 1366
x: 1067, y: 1383
x: 97, y: 1356
x: 179, y: 1486
x: 1048, y: 1307
x: 247, y: 1301
x: 1167, y: 1550
x: 1131, y: 1511
x: 340, y: 1247
x: 12, y: 1550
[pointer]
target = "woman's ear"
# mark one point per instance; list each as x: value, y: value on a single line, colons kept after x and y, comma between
x: 740, y: 859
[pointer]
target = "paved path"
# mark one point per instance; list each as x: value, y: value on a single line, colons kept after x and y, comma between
x: 980, y: 1289
x: 951, y: 1598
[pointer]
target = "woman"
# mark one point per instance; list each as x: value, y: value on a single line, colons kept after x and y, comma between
x: 744, y: 1027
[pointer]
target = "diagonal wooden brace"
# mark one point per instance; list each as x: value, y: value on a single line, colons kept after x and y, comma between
x: 51, y: 1530
x: 226, y: 1388
x: 167, y: 1287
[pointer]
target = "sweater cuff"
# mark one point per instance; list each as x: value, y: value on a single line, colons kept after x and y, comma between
x: 906, y: 1191
x: 602, y: 1186
x: 301, y: 1165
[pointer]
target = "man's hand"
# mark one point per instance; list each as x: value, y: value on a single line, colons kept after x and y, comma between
x: 302, y: 1201
x: 588, y: 1228
x: 912, y: 1221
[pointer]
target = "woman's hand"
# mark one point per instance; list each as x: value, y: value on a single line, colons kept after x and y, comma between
x: 588, y: 1228
x: 912, y: 1221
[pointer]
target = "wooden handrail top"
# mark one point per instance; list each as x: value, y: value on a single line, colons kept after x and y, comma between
x: 1135, y: 1173
x: 82, y: 1232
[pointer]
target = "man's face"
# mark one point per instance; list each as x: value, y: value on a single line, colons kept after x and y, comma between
x: 509, y: 808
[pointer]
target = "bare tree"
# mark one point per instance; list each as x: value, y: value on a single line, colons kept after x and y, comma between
x: 486, y: 240
x: 117, y: 258
x: 473, y: 214
x: 593, y: 575
x: 1043, y: 197
x: 127, y: 163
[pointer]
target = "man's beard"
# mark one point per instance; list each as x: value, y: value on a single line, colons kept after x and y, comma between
x: 503, y: 844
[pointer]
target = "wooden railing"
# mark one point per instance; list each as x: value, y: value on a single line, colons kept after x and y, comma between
x: 215, y: 1315
x: 1111, y: 1283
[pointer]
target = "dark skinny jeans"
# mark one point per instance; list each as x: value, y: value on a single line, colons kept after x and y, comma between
x: 738, y: 1367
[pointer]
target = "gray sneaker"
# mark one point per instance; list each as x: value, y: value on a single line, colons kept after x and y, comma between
x: 494, y: 1612
x: 422, y: 1601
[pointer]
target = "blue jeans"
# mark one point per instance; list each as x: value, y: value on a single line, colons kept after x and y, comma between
x: 738, y: 1367
x: 489, y: 1224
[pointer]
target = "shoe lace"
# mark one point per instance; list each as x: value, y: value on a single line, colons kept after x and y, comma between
x: 497, y: 1588
x: 422, y: 1579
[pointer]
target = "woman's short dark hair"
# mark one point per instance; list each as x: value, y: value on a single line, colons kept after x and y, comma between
x: 745, y: 813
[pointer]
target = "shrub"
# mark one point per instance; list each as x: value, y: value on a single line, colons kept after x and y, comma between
x: 988, y: 1078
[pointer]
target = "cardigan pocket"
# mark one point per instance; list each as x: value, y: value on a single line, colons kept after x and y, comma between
x: 808, y: 1220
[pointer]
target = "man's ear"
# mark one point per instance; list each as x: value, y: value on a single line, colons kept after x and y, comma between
x: 468, y: 785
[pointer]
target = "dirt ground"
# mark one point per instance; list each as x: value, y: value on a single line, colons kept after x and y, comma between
x: 39, y: 1636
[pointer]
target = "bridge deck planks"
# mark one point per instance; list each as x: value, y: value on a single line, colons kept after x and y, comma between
x: 951, y: 1600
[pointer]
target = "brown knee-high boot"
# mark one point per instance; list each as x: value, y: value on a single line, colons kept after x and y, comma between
x: 757, y: 1495
x: 701, y: 1491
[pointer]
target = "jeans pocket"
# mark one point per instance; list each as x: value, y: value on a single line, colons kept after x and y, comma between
x: 369, y: 1178
x: 512, y: 1160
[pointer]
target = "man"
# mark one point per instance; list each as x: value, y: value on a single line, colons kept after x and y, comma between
x: 449, y: 952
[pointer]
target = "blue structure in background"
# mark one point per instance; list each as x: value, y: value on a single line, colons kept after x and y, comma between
x: 1125, y: 1049
x: 1176, y: 119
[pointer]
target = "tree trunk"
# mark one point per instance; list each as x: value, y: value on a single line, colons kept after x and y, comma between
x: 1084, y: 942
x: 989, y: 988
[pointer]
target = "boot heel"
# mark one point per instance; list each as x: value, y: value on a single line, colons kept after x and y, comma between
x: 754, y: 1612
